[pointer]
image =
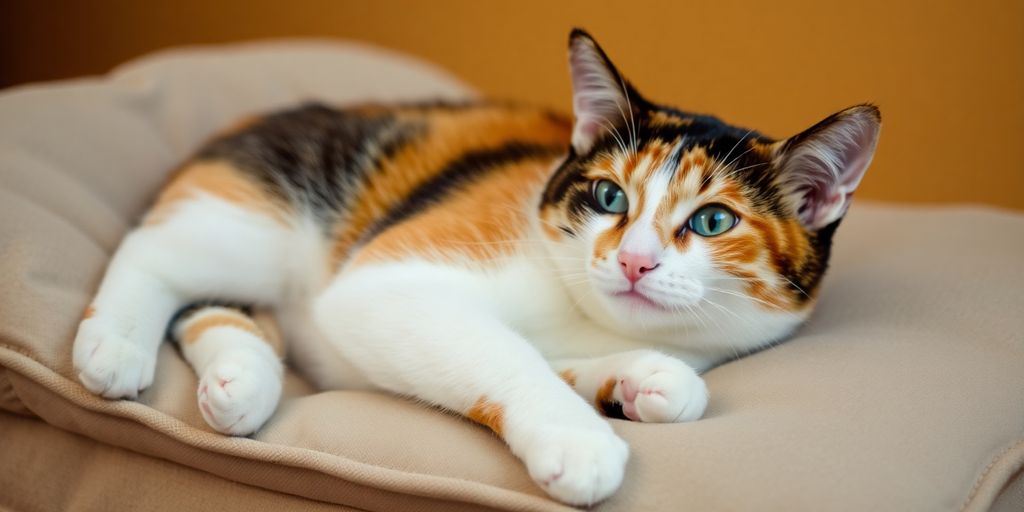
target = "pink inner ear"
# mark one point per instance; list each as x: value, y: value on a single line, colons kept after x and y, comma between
x: 822, y: 172
x: 599, y: 101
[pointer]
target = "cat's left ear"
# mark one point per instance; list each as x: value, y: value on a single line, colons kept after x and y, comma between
x: 820, y: 168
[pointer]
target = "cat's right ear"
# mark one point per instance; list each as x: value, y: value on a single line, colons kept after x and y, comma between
x: 602, y: 100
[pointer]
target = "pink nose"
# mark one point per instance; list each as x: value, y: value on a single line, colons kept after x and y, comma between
x: 634, y: 266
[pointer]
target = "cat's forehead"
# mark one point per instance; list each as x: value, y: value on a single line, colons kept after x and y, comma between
x: 664, y: 168
x: 682, y: 158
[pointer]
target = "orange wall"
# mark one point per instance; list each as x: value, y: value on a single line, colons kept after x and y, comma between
x: 949, y: 76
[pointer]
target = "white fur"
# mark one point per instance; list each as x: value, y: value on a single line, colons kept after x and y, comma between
x: 240, y: 375
x: 207, y: 249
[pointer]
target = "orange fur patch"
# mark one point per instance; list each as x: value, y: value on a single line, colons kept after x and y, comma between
x: 659, y: 118
x: 735, y: 249
x: 240, y: 124
x: 699, y: 158
x: 731, y: 195
x: 221, y: 180
x: 485, y: 221
x: 568, y: 376
x: 451, y: 134
x: 194, y: 329
x: 783, y: 241
x: 90, y: 310
x: 605, y: 394
x: 608, y: 239
x: 653, y: 155
x: 547, y: 225
x: 488, y: 414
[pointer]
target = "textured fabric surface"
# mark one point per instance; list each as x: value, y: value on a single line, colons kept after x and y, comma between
x: 905, y: 391
x: 51, y: 469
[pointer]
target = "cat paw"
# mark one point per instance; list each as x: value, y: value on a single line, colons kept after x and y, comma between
x: 577, y: 466
x: 238, y: 393
x: 109, y: 362
x: 656, y: 388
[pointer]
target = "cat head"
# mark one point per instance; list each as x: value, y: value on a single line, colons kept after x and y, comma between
x: 688, y: 227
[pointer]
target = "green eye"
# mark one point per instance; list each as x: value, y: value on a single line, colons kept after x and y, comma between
x: 712, y: 220
x: 610, y: 197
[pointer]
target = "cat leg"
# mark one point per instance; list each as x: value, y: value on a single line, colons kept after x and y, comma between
x: 410, y: 333
x: 238, y: 363
x: 640, y: 385
x: 116, y: 345
x: 206, y: 248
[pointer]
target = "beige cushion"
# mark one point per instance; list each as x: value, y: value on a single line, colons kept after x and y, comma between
x: 904, y: 392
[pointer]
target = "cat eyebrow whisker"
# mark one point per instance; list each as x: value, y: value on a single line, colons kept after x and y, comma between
x: 734, y: 172
x: 719, y: 167
x: 725, y: 166
x: 614, y: 131
x: 629, y: 106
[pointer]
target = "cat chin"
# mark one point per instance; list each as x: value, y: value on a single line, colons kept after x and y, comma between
x: 632, y: 311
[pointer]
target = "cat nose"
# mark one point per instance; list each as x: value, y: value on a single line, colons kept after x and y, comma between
x: 635, y: 266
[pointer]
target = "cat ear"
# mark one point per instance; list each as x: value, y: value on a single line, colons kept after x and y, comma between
x: 602, y: 100
x: 821, y: 167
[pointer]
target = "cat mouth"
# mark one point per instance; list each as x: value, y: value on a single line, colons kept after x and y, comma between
x: 637, y: 298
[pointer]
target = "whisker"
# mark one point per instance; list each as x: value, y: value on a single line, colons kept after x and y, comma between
x: 745, y: 296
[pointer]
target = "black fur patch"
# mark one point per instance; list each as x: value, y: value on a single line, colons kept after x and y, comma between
x: 456, y: 175
x: 314, y: 155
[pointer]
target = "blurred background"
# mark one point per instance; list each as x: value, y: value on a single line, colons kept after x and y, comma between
x: 948, y: 76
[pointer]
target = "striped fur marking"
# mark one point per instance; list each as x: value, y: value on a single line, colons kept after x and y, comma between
x: 457, y: 150
x: 193, y: 327
x: 483, y: 221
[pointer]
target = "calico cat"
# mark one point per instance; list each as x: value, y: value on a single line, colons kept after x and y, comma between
x: 499, y: 261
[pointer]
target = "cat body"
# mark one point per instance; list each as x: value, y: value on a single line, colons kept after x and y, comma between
x: 500, y: 261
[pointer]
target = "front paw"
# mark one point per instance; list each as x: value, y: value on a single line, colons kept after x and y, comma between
x: 656, y: 388
x: 577, y: 466
x: 109, y: 363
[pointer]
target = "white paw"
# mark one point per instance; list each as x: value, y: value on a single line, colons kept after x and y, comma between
x: 239, y: 392
x: 656, y: 388
x: 109, y: 362
x: 577, y: 466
